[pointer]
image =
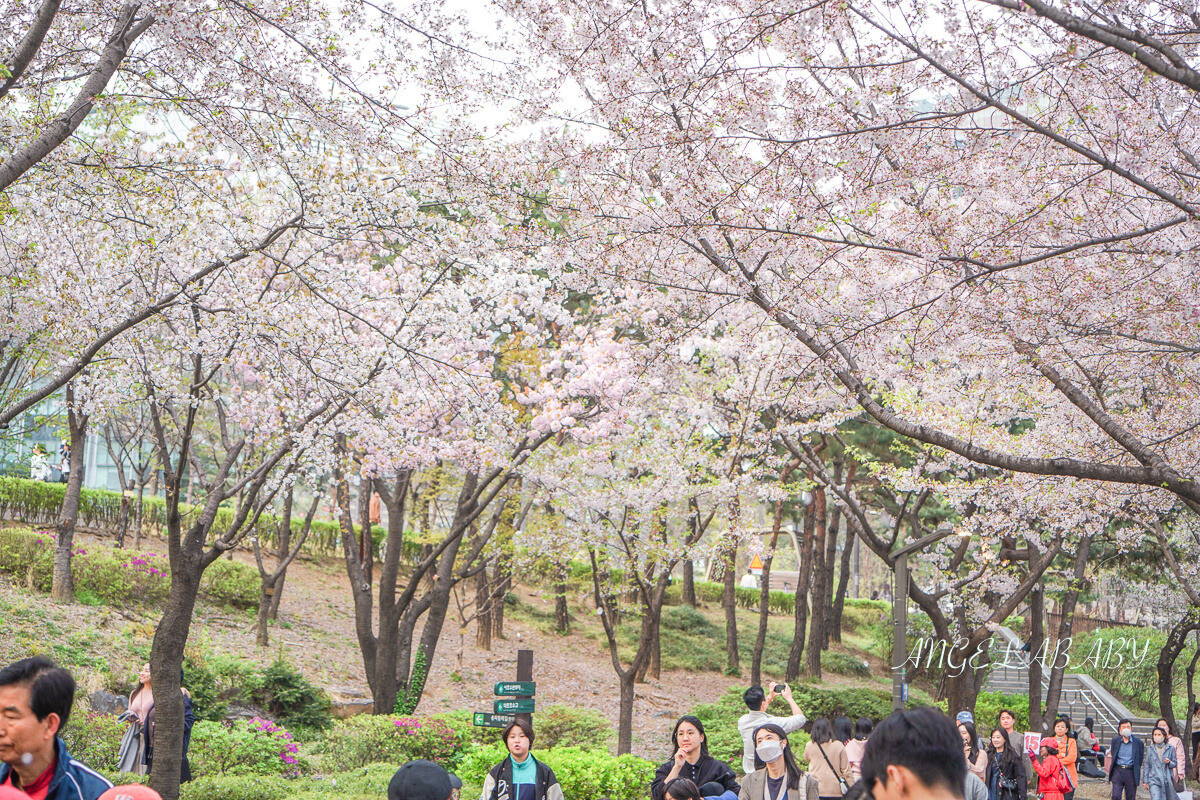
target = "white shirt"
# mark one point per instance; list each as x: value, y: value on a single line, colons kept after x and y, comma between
x: 751, y: 720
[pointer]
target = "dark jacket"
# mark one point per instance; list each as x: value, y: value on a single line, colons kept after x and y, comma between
x: 706, y: 770
x: 189, y: 719
x: 1012, y: 769
x: 499, y: 781
x: 1139, y: 754
x: 72, y: 780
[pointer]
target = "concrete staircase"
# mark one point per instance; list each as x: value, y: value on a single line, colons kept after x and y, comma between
x: 1081, y: 695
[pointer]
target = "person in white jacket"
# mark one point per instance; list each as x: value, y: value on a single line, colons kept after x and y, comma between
x: 757, y: 700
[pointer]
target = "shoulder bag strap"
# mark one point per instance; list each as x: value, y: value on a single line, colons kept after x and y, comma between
x: 836, y: 774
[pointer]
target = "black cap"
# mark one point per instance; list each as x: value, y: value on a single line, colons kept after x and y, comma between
x: 455, y: 781
x: 419, y: 780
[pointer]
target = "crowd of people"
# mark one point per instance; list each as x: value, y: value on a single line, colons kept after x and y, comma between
x: 919, y: 754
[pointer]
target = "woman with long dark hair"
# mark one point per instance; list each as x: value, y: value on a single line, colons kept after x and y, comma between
x: 843, y: 730
x: 827, y: 760
x: 976, y: 758
x: 692, y: 761
x: 1005, y: 769
x: 776, y: 775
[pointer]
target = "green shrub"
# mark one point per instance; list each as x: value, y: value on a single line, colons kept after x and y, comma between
x: 239, y: 787
x: 369, y: 739
x: 93, y: 738
x: 861, y: 619
x: 248, y: 747
x: 231, y: 583
x: 564, y: 726
x: 988, y: 706
x: 117, y: 576
x: 582, y: 774
x: 688, y: 620
x: 462, y: 723
x: 845, y: 664
x: 201, y: 683
x: 289, y: 697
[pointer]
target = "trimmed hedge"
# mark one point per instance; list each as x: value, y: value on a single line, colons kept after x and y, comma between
x: 582, y: 774
x: 119, y: 576
x: 39, y: 502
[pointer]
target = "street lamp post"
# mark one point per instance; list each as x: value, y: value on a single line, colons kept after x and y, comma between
x: 900, y: 610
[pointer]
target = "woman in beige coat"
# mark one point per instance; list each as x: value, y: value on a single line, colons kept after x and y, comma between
x: 827, y: 761
x: 776, y: 775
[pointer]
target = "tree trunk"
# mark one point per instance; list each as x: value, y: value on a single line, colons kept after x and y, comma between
x: 796, y: 654
x: 764, y: 612
x: 141, y: 512
x: 1172, y: 647
x: 820, y: 580
x: 625, y: 715
x: 562, y: 617
x: 848, y: 549
x: 829, y: 520
x: 1191, y: 703
x: 961, y: 688
x: 62, y: 588
x: 689, y: 582
x: 123, y: 520
x: 1037, y: 637
x: 729, y: 601
x: 1058, y: 667
x: 483, y: 610
x: 502, y: 581
x: 166, y: 664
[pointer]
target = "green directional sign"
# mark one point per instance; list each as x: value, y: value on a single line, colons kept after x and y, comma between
x: 493, y: 720
x: 513, y: 706
x: 515, y: 689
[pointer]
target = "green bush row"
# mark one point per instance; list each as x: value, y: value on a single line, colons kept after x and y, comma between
x: 115, y: 576
x: 39, y: 502
x: 582, y: 774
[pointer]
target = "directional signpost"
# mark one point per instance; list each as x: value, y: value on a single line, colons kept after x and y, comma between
x: 521, y: 692
x: 513, y: 706
x: 493, y: 720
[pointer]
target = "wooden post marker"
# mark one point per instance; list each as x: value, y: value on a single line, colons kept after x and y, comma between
x: 518, y: 694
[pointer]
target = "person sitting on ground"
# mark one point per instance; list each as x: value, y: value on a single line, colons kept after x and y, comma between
x: 1177, y: 743
x: 777, y: 776
x: 1006, y: 769
x: 827, y: 760
x: 520, y: 776
x: 421, y: 780
x: 915, y: 755
x: 1049, y: 787
x: 854, y: 750
x: 757, y: 700
x: 35, y: 702
x: 692, y: 761
x: 1125, y: 769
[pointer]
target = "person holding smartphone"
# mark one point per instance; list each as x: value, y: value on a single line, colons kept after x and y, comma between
x: 758, y: 700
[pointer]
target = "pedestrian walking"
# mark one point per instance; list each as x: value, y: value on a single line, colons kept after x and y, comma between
x: 1068, y: 753
x: 1126, y: 753
x: 1005, y: 770
x: 1051, y: 775
x: 976, y: 758
x: 1016, y: 739
x: 1180, y: 752
x: 1161, y: 767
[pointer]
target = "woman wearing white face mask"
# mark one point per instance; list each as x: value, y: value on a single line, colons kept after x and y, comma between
x: 1160, y: 767
x: 776, y: 775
